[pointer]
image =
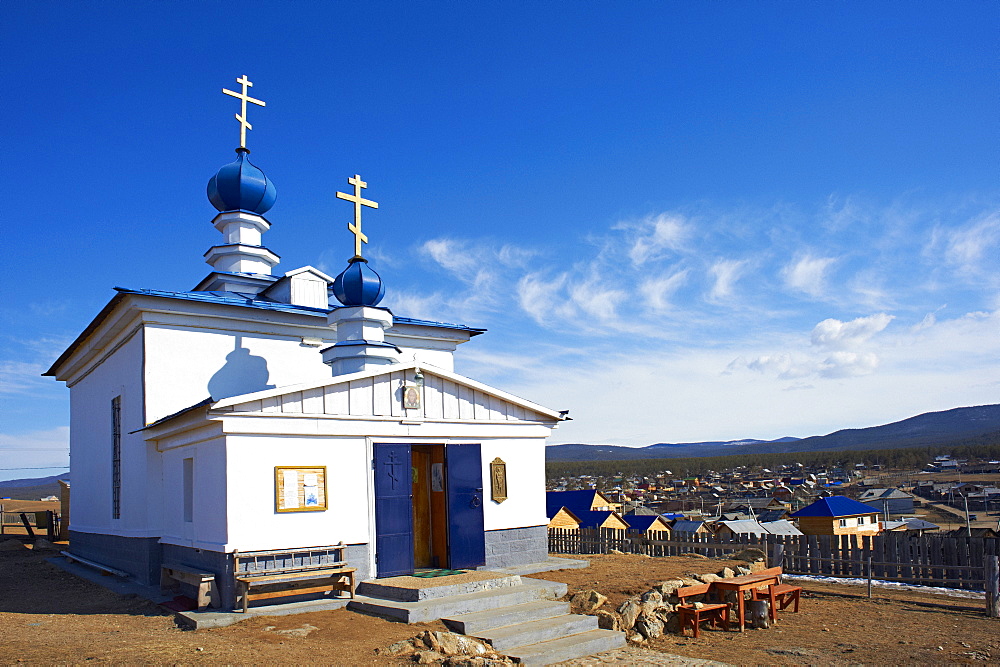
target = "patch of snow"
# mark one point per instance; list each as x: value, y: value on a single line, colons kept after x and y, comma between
x: 894, y: 585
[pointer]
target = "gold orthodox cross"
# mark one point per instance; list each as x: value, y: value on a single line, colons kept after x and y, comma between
x: 355, y: 227
x: 242, y: 116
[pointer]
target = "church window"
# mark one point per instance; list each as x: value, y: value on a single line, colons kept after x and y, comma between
x: 116, y: 457
x: 188, y: 483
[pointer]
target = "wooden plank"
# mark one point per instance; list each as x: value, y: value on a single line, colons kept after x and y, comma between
x: 449, y: 391
x: 382, y: 398
x: 466, y: 402
x: 336, y: 400
x: 361, y: 398
x: 312, y: 401
x: 292, y: 402
x: 433, y: 401
x: 396, y: 380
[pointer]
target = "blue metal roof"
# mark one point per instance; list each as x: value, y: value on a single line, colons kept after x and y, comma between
x: 577, y: 502
x: 241, y: 299
x: 834, y: 506
x: 594, y: 518
x: 641, y: 522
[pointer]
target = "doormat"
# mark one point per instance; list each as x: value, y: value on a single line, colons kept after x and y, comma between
x: 427, y: 574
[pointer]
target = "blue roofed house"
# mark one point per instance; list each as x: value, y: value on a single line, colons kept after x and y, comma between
x: 837, y: 515
x: 647, y: 524
x: 253, y: 412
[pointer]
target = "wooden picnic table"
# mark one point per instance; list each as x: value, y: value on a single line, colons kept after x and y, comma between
x: 744, y: 582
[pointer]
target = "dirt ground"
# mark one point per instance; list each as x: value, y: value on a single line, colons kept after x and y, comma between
x: 50, y: 617
x: 836, y: 624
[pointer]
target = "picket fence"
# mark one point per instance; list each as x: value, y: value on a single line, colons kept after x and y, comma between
x: 951, y: 562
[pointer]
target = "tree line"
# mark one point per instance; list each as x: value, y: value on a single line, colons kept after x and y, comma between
x: 982, y: 447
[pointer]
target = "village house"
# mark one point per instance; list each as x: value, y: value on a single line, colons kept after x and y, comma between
x: 837, y: 515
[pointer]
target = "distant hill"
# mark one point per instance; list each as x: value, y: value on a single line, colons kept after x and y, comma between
x: 923, y: 430
x: 32, y: 489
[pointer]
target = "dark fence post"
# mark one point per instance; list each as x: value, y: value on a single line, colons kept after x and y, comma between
x: 992, y: 577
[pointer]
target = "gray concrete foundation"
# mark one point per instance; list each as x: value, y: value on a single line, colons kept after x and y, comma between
x: 516, y: 546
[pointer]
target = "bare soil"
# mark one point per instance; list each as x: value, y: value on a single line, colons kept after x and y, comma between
x: 48, y: 616
x: 836, y: 624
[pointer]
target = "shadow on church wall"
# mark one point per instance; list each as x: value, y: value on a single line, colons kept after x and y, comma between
x: 241, y: 374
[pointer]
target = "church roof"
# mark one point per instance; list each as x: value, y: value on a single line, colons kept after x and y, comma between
x: 238, y: 299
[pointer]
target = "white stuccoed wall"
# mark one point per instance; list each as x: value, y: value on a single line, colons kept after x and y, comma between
x: 211, y: 503
x: 525, y: 505
x: 91, y: 446
x: 180, y: 363
x: 253, y: 522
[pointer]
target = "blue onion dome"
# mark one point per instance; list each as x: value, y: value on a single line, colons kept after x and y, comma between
x: 240, y: 186
x: 358, y: 285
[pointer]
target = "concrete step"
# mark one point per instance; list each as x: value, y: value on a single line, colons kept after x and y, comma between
x: 567, y: 648
x: 385, y: 589
x: 529, y: 590
x: 534, y: 632
x: 469, y: 624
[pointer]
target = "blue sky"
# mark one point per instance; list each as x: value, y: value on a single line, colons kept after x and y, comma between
x: 682, y: 221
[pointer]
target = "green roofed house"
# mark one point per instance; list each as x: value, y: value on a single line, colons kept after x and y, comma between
x: 837, y: 515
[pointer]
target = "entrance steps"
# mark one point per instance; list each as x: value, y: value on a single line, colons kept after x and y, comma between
x: 518, y: 617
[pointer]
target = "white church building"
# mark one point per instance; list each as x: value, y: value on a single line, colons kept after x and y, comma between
x: 254, y: 412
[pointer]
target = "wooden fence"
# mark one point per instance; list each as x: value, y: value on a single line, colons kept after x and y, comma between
x: 951, y: 562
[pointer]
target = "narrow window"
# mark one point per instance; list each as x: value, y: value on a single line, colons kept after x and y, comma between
x: 116, y: 457
x: 188, y: 474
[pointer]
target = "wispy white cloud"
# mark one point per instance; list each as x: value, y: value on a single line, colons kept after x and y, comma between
x: 836, y: 335
x: 967, y: 246
x: 808, y: 274
x: 25, y: 378
x: 655, y: 235
x: 724, y: 273
x: 658, y: 291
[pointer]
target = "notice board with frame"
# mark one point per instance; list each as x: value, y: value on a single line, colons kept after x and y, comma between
x: 300, y: 488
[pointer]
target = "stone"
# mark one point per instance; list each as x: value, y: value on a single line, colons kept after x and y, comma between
x: 629, y: 611
x: 616, y: 552
x: 608, y: 620
x: 757, y: 566
x: 649, y: 626
x: 303, y: 631
x: 635, y: 638
x: 667, y: 588
x: 750, y: 554
x: 587, y: 601
x: 727, y: 573
x: 399, y: 648
x: 652, y: 596
x: 708, y: 578
x: 743, y: 570
x: 673, y: 624
x: 690, y: 581
x: 426, y: 657
x: 451, y: 643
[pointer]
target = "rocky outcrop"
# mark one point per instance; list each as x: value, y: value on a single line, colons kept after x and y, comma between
x: 653, y: 613
x: 448, y: 648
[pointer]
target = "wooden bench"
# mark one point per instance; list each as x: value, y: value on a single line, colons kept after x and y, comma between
x: 284, y: 572
x: 690, y: 614
x: 207, y: 594
x: 779, y: 595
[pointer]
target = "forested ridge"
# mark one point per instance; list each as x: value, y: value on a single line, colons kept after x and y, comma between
x: 913, y: 457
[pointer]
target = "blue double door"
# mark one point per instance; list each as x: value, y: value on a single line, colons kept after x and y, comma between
x: 428, y: 507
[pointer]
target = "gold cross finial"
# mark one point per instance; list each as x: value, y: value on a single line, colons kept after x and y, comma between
x: 242, y: 116
x: 355, y: 227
